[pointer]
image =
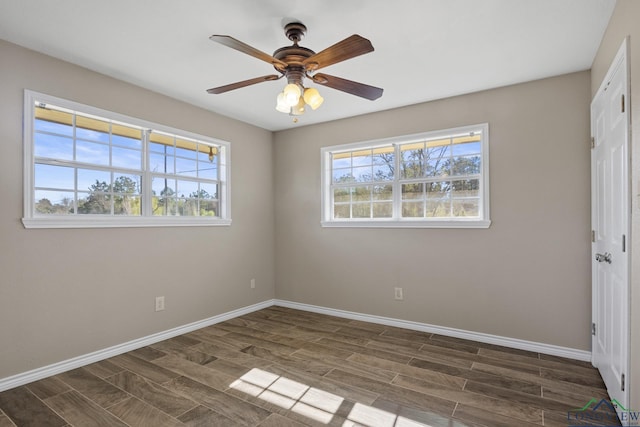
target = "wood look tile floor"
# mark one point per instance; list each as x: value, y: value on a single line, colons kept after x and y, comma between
x: 280, y: 367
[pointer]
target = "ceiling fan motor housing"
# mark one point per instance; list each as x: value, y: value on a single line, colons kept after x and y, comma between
x: 295, y: 55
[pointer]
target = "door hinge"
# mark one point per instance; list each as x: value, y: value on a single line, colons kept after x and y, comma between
x: 593, y: 236
x: 593, y: 329
x: 624, y: 243
x: 622, y: 382
x: 593, y: 142
x: 623, y: 102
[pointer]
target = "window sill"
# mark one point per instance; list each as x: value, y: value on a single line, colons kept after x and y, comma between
x: 124, y: 222
x: 459, y: 223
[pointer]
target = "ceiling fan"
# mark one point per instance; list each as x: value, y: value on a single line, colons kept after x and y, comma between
x: 296, y: 62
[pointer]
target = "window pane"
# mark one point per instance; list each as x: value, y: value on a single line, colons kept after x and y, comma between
x: 188, y: 207
x: 412, y: 169
x: 438, y: 208
x: 187, y: 189
x: 465, y: 188
x: 438, y: 152
x: 163, y: 201
x: 160, y: 163
x: 163, y: 206
x: 91, y: 180
x: 341, y: 195
x: 127, y: 204
x: 96, y: 202
x: 412, y: 191
x: 361, y: 210
x: 341, y: 211
x: 53, y: 127
x: 362, y: 174
x: 361, y: 158
x: 186, y: 167
x: 207, y: 170
x: 48, y: 176
x: 465, y: 165
x: 437, y: 167
x: 342, y: 175
x: 382, y: 192
x: 383, y: 173
x: 466, y: 207
x: 384, y: 156
x: 89, y: 152
x: 438, y: 190
x: 126, y: 158
x: 467, y: 148
x: 412, y: 209
x: 162, y: 148
x: 127, y: 141
x: 341, y: 160
x: 54, y: 202
x: 129, y: 184
x: 382, y: 210
x: 92, y: 129
x: 412, y: 152
x: 53, y: 147
x: 361, y: 194
x: 208, y: 208
x: 187, y: 149
x: 163, y: 186
x: 208, y: 191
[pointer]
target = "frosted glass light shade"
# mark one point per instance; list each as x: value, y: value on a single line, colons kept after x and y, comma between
x: 312, y: 97
x: 281, y: 105
x: 298, y: 109
x: 292, y: 94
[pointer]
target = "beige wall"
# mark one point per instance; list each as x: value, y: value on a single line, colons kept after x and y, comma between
x: 623, y: 23
x: 65, y: 293
x: 526, y: 277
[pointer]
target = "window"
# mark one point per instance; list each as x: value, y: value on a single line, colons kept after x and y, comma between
x: 434, y: 179
x: 86, y: 167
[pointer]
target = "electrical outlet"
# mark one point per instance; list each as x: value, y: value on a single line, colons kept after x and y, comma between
x: 398, y: 294
x: 253, y: 283
x: 159, y: 303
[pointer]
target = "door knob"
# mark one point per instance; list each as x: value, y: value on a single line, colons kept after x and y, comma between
x: 605, y: 257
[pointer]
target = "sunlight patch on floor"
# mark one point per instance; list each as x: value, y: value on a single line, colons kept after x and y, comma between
x: 313, y: 403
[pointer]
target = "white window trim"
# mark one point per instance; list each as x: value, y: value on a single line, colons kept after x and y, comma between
x: 326, y: 205
x: 101, y: 221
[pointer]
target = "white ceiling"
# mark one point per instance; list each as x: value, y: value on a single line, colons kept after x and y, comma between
x: 424, y: 49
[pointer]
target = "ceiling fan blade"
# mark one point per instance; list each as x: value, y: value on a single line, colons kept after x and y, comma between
x: 354, y: 88
x: 245, y: 48
x: 346, y: 49
x: 238, y: 85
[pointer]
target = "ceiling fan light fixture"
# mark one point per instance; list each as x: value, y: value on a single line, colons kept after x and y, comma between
x: 281, y: 105
x: 312, y: 97
x: 292, y: 94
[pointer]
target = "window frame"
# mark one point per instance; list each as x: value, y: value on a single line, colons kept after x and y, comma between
x: 327, y: 204
x: 145, y: 219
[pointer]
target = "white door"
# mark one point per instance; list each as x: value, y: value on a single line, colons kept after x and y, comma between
x: 610, y: 225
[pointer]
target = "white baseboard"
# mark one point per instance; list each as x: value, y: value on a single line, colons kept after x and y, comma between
x: 96, y: 356
x: 537, y: 347
x: 77, y: 362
